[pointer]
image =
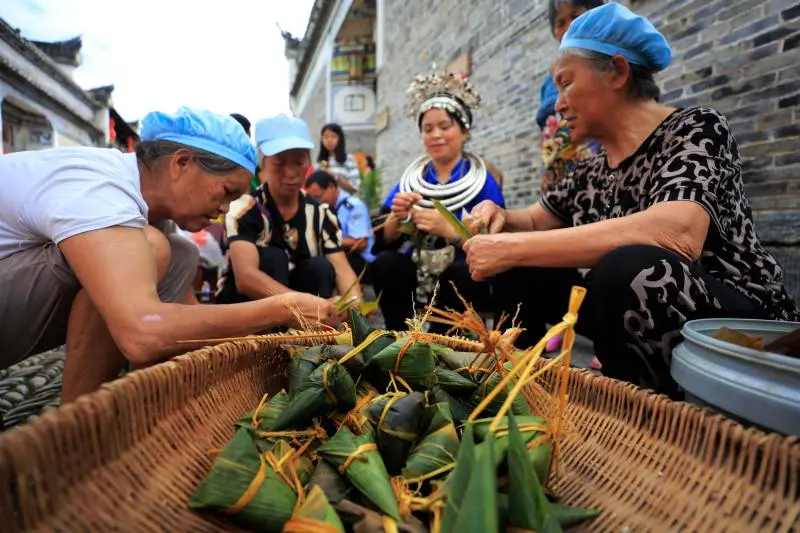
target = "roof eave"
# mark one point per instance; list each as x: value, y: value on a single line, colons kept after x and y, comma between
x: 320, y: 14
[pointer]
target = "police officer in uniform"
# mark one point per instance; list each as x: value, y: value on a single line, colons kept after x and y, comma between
x: 353, y: 218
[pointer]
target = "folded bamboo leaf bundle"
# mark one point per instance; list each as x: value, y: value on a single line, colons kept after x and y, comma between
x: 391, y: 433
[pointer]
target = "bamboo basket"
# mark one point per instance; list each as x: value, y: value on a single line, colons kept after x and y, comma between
x: 128, y: 457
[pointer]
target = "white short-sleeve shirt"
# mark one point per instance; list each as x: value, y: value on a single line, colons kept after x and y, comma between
x: 51, y: 195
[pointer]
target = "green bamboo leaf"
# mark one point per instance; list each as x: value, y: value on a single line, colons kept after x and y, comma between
x: 457, y: 481
x: 540, y: 457
x: 363, y: 468
x: 345, y: 302
x: 528, y: 507
x: 267, y: 417
x: 438, y: 448
x: 479, y: 506
x: 570, y: 516
x: 461, y: 230
x: 451, y: 381
x: 565, y: 515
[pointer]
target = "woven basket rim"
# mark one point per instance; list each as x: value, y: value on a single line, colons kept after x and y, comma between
x: 66, y: 446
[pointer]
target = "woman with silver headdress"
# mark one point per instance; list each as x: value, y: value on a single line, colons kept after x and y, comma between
x: 407, y: 267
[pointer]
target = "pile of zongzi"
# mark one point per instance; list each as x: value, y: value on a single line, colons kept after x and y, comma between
x: 391, y: 434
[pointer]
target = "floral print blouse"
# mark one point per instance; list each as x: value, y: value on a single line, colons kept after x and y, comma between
x: 559, y: 154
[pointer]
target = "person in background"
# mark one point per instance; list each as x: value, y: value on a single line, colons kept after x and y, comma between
x: 88, y: 255
x: 333, y: 158
x: 659, y: 218
x: 559, y: 152
x: 280, y: 239
x: 353, y: 218
x: 241, y: 119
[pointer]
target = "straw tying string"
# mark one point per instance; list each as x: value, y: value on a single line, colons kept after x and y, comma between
x: 411, y: 339
x: 394, y: 379
x: 357, y: 454
x: 252, y: 489
x: 435, y: 473
x: 373, y: 335
x: 287, y: 434
x: 325, y: 371
x: 394, y: 397
x: 352, y: 415
x: 288, y: 473
x: 261, y: 406
x: 301, y: 524
x: 436, y: 523
x: 389, y: 525
x: 474, y: 370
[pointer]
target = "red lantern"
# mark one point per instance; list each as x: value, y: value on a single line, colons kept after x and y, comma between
x: 112, y: 133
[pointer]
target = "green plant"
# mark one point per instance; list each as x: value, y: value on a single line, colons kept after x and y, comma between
x: 371, y: 187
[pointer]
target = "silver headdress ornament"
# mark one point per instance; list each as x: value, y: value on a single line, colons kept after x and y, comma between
x: 444, y: 90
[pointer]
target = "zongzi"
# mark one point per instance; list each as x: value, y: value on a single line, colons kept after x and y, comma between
x: 315, y: 515
x: 412, y: 361
x: 397, y: 419
x: 519, y: 406
x: 242, y: 485
x: 436, y: 450
x: 329, y: 386
x: 358, y: 459
x: 453, y: 382
x: 264, y: 417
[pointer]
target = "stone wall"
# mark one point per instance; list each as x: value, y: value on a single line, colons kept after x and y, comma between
x: 739, y: 56
x: 361, y: 141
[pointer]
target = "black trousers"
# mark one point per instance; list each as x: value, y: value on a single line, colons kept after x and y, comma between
x: 394, y: 276
x: 315, y: 275
x: 638, y: 298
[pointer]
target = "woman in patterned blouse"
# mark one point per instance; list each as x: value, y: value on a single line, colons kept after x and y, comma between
x: 657, y: 227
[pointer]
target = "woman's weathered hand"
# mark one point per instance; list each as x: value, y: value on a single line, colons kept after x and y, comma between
x: 403, y: 202
x: 308, y: 308
x: 432, y: 222
x: 491, y: 215
x: 487, y: 255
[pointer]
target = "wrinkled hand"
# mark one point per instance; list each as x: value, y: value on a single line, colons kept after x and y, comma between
x: 403, y: 202
x: 309, y: 308
x: 487, y: 255
x: 432, y: 222
x: 490, y: 214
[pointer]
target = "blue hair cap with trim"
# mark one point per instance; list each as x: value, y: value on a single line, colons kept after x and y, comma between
x: 613, y: 29
x: 221, y: 135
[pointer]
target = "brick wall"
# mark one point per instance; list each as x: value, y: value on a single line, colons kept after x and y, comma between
x: 739, y: 56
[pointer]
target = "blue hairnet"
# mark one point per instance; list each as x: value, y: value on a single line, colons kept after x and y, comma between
x: 219, y: 134
x: 614, y: 29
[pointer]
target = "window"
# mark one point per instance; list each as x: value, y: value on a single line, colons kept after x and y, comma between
x: 354, y: 103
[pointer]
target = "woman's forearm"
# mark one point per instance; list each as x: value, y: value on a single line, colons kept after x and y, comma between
x: 391, y: 230
x: 519, y: 220
x: 679, y: 228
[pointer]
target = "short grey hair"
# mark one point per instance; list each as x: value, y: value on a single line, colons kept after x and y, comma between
x: 148, y: 152
x: 642, y: 84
